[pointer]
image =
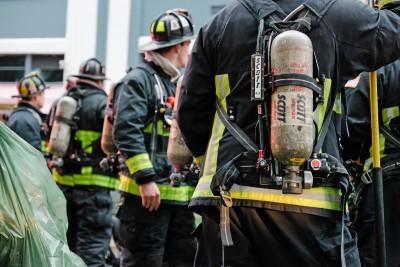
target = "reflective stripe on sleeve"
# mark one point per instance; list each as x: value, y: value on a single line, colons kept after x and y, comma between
x: 180, y: 194
x: 138, y: 163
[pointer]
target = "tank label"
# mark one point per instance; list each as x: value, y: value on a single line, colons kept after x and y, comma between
x: 281, y: 108
x: 294, y: 108
x: 258, y: 77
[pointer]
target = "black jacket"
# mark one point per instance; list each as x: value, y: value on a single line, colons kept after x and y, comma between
x: 135, y: 109
x: 85, y: 139
x: 348, y: 37
x: 359, y: 124
x: 26, y: 121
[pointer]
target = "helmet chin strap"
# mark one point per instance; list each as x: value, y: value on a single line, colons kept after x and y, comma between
x: 164, y: 63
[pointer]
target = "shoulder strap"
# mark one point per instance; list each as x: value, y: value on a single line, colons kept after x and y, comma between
x: 159, y: 88
x: 325, y: 124
x: 235, y: 130
x: 160, y: 93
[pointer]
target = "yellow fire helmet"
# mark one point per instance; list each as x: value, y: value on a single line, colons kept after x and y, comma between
x: 30, y: 85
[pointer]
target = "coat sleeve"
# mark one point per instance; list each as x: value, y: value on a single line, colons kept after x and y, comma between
x: 131, y: 116
x: 367, y: 38
x: 197, y: 100
x: 358, y: 120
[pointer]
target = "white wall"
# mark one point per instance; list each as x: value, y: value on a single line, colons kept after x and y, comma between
x: 32, y: 46
x: 81, y: 33
x: 117, y: 38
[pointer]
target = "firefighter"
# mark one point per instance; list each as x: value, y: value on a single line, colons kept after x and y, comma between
x: 85, y: 185
x: 156, y: 224
x: 264, y: 226
x: 26, y: 120
x: 355, y: 147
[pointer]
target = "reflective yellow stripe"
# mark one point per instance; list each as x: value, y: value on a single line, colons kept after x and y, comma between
x: 337, y: 106
x: 200, y: 160
x: 86, y: 179
x: 167, y: 192
x: 161, y: 129
x: 368, y: 162
x: 87, y: 170
x: 44, y: 146
x: 318, y: 197
x: 138, y: 163
x: 87, y: 138
x: 389, y: 114
x: 319, y: 113
x: 222, y: 90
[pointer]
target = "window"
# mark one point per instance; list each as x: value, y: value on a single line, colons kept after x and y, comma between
x: 14, y: 67
x: 49, y: 67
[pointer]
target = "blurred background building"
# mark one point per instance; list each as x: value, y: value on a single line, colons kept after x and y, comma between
x: 55, y: 36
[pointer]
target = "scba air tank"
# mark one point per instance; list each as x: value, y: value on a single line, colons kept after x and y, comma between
x: 61, y: 131
x: 107, y: 143
x: 177, y: 151
x: 292, y: 128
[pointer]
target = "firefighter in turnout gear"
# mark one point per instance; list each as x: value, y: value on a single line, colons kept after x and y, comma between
x: 156, y: 224
x: 355, y: 147
x: 245, y: 204
x: 359, y: 140
x: 26, y: 119
x: 77, y: 126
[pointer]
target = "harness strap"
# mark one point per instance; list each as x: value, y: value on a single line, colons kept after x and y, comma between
x: 235, y: 130
x: 160, y: 94
x: 325, y: 126
x: 225, y: 226
x: 302, y: 24
x: 296, y: 80
x: 386, y: 132
x: 72, y: 123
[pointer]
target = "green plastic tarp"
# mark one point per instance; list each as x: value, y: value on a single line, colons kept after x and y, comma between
x: 33, y: 220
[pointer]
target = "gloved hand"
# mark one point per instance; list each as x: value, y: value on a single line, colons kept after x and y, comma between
x: 150, y: 195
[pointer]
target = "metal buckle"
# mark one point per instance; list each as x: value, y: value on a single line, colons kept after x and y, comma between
x: 366, y: 178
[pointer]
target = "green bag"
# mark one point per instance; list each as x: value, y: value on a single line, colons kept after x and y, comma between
x: 33, y: 219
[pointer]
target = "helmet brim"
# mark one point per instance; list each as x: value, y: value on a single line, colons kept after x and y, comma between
x: 36, y: 93
x: 91, y: 77
x: 154, y: 45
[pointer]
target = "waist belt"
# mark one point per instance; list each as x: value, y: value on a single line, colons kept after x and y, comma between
x: 366, y: 177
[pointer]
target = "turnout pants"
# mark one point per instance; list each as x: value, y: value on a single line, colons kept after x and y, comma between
x: 364, y: 224
x: 158, y: 238
x: 265, y: 237
x: 89, y: 211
